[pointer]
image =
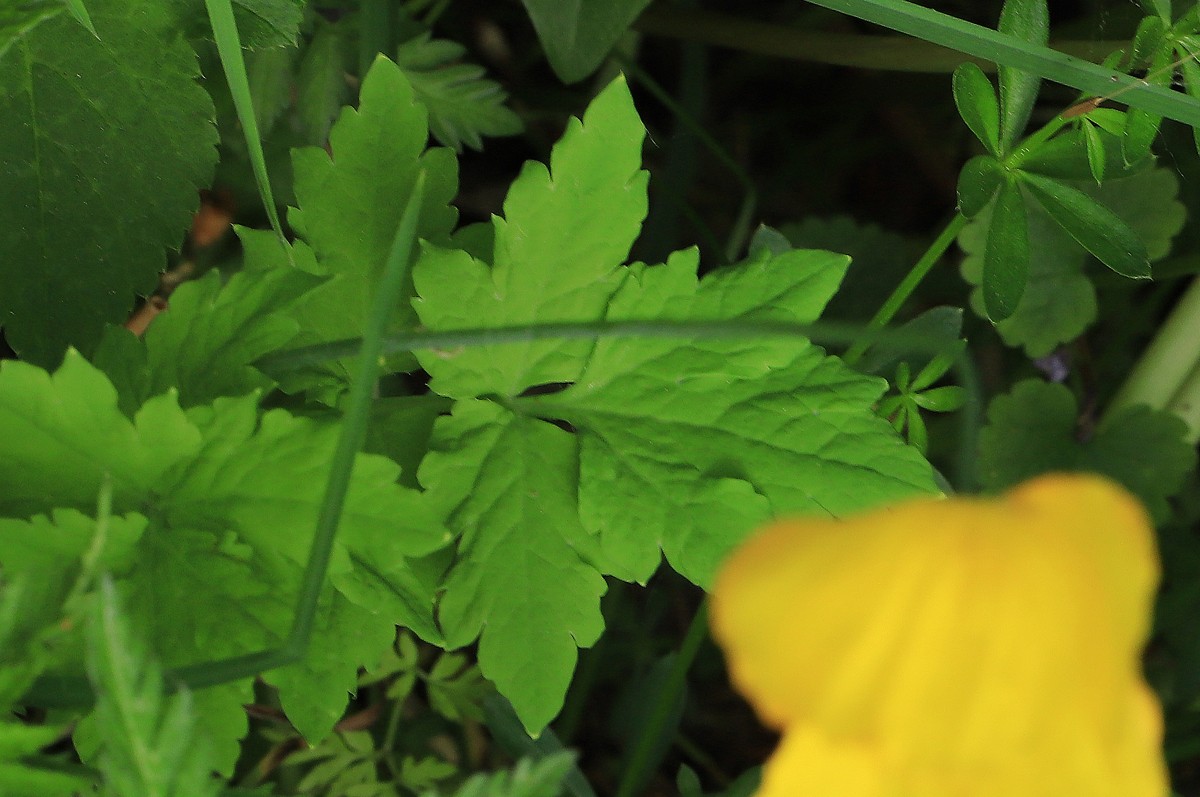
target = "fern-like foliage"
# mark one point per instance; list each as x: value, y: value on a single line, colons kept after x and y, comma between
x: 463, y: 105
x: 150, y: 747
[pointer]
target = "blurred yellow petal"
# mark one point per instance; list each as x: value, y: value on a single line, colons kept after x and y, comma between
x: 963, y: 646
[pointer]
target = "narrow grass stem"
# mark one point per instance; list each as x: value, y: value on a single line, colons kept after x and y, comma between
x: 906, y: 287
x: 634, y: 776
x: 891, y: 53
x: 1166, y: 374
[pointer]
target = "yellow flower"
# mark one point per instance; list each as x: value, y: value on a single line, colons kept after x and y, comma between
x: 953, y: 648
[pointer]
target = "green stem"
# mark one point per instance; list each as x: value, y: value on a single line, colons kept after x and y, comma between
x: 1034, y: 142
x: 892, y: 53
x: 1165, y: 377
x: 635, y: 774
x: 905, y: 289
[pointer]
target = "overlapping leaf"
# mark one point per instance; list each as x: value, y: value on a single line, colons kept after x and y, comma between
x: 567, y: 460
x: 350, y: 204
x: 1033, y: 429
x: 232, y: 500
x: 95, y: 132
x: 1059, y: 302
x: 204, y: 344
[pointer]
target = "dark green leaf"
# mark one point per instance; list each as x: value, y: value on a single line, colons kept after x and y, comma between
x: 1029, y: 21
x: 977, y: 184
x: 578, y: 34
x: 1066, y: 157
x: 1095, y: 150
x: 1160, y: 7
x: 1034, y: 429
x: 70, y: 258
x: 321, y: 88
x: 1006, y: 258
x: 17, y: 19
x: 1095, y: 227
x: 975, y: 99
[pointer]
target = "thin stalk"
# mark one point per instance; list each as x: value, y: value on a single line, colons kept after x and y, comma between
x: 634, y: 777
x: 980, y: 42
x: 1167, y: 365
x: 891, y: 53
x: 906, y: 287
x: 1185, y: 405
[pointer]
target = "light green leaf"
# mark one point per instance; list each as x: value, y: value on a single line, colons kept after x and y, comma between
x: 578, y: 34
x: 529, y: 778
x: 558, y: 251
x: 204, y: 344
x: 1006, y: 256
x: 1029, y: 21
x: 978, y: 182
x: 77, y: 116
x: 523, y: 582
x: 350, y: 204
x: 463, y: 105
x: 151, y: 747
x: 1095, y: 227
x: 321, y: 88
x: 233, y: 498
x: 975, y: 99
x: 33, y: 777
x: 564, y: 461
x: 1033, y: 429
x: 686, y: 446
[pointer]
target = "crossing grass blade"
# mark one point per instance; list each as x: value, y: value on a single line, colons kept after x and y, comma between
x: 985, y: 43
x: 229, y: 48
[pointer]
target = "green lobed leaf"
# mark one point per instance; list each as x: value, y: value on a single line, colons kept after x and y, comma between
x: 1095, y: 227
x: 351, y: 202
x: 35, y: 777
x: 1034, y: 429
x: 204, y: 345
x: 557, y: 256
x: 563, y: 461
x: 1006, y: 255
x: 975, y: 99
x: 78, y: 116
x: 578, y: 34
x: 463, y: 105
x: 528, y: 778
x: 685, y: 446
x: 233, y: 499
x: 152, y: 746
x: 1029, y: 21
